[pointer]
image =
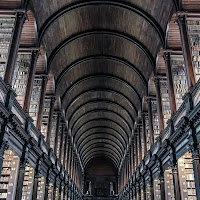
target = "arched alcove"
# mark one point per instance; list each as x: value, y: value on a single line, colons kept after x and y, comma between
x: 99, y: 173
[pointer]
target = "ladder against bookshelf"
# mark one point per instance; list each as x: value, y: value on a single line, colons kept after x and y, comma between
x: 41, y: 188
x: 8, y: 181
x: 186, y: 177
x: 28, y: 183
x: 169, y: 186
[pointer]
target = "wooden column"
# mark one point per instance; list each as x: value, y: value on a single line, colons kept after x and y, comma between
x: 131, y: 153
x: 140, y: 143
x: 162, y: 188
x: 3, y: 147
x: 62, y: 141
x: 36, y: 179
x: 144, y: 132
x: 72, y: 165
x: 133, y: 157
x: 21, y: 173
x: 65, y: 149
x: 196, y: 169
x: 170, y: 82
x: 14, y: 46
x: 150, y: 117
x: 30, y: 81
x: 176, y: 183
x: 57, y: 132
x: 69, y: 159
x: 53, y: 99
x: 35, y: 185
x: 159, y: 104
x: 186, y: 50
x: 136, y: 150
x: 67, y: 153
x: 41, y: 103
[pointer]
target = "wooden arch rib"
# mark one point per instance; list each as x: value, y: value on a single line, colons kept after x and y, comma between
x: 29, y: 31
x: 102, y: 123
x: 101, y: 104
x: 131, y: 39
x: 93, y: 129
x: 96, y: 95
x: 98, y: 153
x: 120, y: 4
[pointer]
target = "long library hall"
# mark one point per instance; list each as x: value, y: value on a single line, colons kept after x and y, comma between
x: 99, y: 99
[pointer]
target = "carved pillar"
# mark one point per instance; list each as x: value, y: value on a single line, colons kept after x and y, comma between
x: 170, y: 82
x: 151, y: 185
x: 150, y: 117
x: 69, y: 159
x: 161, y: 179
x: 62, y: 142
x: 50, y: 120
x: 22, y: 166
x: 159, y: 104
x: 36, y: 179
x: 176, y: 183
x: 35, y: 185
x: 30, y: 81
x: 14, y: 46
x: 196, y: 169
x: 136, y: 150
x: 57, y: 132
x: 41, y: 103
x: 3, y: 147
x: 54, y: 192
x: 132, y: 161
x: 72, y: 164
x: 67, y: 153
x: 65, y: 149
x: 186, y: 50
x: 144, y: 134
x: 144, y: 189
x: 140, y: 143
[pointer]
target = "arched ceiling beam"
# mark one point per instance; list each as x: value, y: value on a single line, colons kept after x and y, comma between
x: 95, y: 134
x: 89, y: 78
x: 101, y: 153
x: 103, y: 57
x: 125, y: 5
x: 99, y: 141
x: 100, y: 149
x: 102, y: 103
x: 95, y: 154
x: 131, y: 39
x: 103, y: 120
x: 92, y: 93
x: 102, y: 112
x: 94, y: 129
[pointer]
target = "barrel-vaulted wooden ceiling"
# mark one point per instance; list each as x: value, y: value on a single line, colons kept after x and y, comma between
x: 102, y: 54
